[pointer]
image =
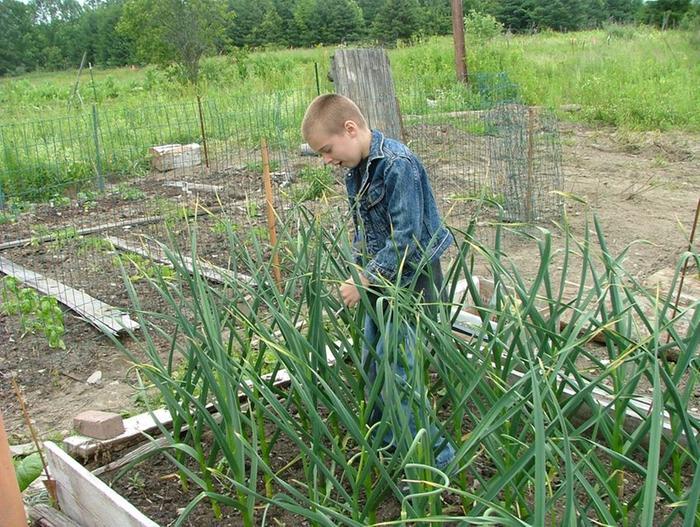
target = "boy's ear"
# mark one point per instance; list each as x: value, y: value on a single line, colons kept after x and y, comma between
x: 351, y: 127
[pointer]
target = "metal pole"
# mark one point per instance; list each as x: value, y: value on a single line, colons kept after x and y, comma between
x: 318, y: 82
x: 96, y: 135
x: 458, y: 39
x: 204, y: 135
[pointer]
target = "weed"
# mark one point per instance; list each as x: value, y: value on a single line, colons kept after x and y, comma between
x: 37, y: 313
x: 129, y: 192
x: 315, y: 182
x: 145, y: 268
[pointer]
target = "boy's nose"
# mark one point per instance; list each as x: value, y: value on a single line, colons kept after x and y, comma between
x: 327, y: 159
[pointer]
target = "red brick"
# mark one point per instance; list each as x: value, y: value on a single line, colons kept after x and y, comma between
x: 97, y: 424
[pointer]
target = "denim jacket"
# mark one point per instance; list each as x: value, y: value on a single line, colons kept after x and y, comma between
x: 397, y: 223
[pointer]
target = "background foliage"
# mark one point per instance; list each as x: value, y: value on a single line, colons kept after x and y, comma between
x: 54, y: 34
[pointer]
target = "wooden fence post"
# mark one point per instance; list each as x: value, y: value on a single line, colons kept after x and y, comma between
x: 364, y: 75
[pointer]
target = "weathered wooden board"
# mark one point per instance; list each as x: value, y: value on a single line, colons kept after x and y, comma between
x: 86, y: 499
x: 80, y: 232
x: 43, y: 515
x: 364, y: 75
x: 187, y: 186
x: 157, y: 254
x: 135, y: 427
x: 105, y: 317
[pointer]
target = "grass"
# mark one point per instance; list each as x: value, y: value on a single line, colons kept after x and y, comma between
x: 522, y: 458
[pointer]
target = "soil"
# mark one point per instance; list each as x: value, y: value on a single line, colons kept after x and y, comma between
x: 643, y: 188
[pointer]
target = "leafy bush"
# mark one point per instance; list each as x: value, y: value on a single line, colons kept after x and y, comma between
x: 481, y: 27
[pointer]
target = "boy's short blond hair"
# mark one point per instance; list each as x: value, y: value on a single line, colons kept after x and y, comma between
x: 328, y: 114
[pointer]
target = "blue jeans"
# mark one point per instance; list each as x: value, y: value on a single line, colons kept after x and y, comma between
x: 402, y: 365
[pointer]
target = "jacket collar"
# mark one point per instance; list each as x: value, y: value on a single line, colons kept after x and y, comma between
x: 376, y: 151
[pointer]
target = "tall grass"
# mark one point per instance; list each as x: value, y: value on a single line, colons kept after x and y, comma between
x: 509, y: 397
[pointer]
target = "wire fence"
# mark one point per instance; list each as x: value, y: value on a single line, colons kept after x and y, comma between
x: 78, y: 194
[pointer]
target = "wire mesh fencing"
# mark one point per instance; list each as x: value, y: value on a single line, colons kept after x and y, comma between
x: 88, y: 194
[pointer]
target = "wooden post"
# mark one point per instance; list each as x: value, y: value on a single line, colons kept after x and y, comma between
x: 458, y: 39
x: 364, y: 75
x: 530, y: 162
x: 11, y: 505
x: 269, y: 199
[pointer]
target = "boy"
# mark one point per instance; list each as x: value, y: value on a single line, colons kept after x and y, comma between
x: 398, y: 230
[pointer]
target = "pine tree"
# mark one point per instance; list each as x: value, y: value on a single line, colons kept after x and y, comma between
x: 397, y: 19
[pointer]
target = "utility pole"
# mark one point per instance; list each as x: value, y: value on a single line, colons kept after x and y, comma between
x: 458, y: 39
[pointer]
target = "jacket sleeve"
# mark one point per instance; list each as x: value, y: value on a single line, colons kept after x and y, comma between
x: 404, y: 202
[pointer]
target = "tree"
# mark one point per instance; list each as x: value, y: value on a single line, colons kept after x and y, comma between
x: 623, y: 11
x: 516, y: 15
x: 341, y: 21
x: 17, y: 42
x: 175, y: 31
x: 435, y: 17
x: 665, y: 13
x: 397, y: 19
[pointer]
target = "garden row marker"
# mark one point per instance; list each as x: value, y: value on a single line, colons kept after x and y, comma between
x: 269, y: 201
x: 107, y: 318
x: 154, y: 251
x: 86, y: 499
x: 10, y: 498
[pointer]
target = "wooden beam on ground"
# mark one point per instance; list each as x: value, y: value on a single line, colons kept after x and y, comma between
x: 189, y: 187
x: 103, y: 316
x: 43, y: 515
x: 61, y: 232
x: 85, y: 498
x: 137, y: 426
x: 157, y: 254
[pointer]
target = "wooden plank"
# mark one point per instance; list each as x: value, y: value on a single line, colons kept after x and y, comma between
x: 79, y: 232
x: 43, y: 515
x: 189, y: 187
x: 103, y: 316
x: 86, y: 499
x: 364, y: 75
x: 143, y: 449
x: 135, y: 427
x: 157, y: 254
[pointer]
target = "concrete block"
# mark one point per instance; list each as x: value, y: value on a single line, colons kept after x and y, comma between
x: 97, y: 424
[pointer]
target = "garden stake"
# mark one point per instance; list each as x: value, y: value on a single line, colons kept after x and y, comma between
x: 49, y: 483
x: 673, y: 357
x: 267, y: 182
x: 13, y: 514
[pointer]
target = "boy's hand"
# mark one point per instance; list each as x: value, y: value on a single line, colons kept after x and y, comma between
x: 349, y: 292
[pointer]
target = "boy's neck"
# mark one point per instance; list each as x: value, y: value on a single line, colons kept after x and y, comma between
x: 365, y: 142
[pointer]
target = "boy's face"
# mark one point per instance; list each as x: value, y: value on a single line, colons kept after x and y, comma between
x: 345, y: 149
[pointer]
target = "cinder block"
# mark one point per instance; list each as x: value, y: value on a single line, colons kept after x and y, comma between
x: 97, y: 424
